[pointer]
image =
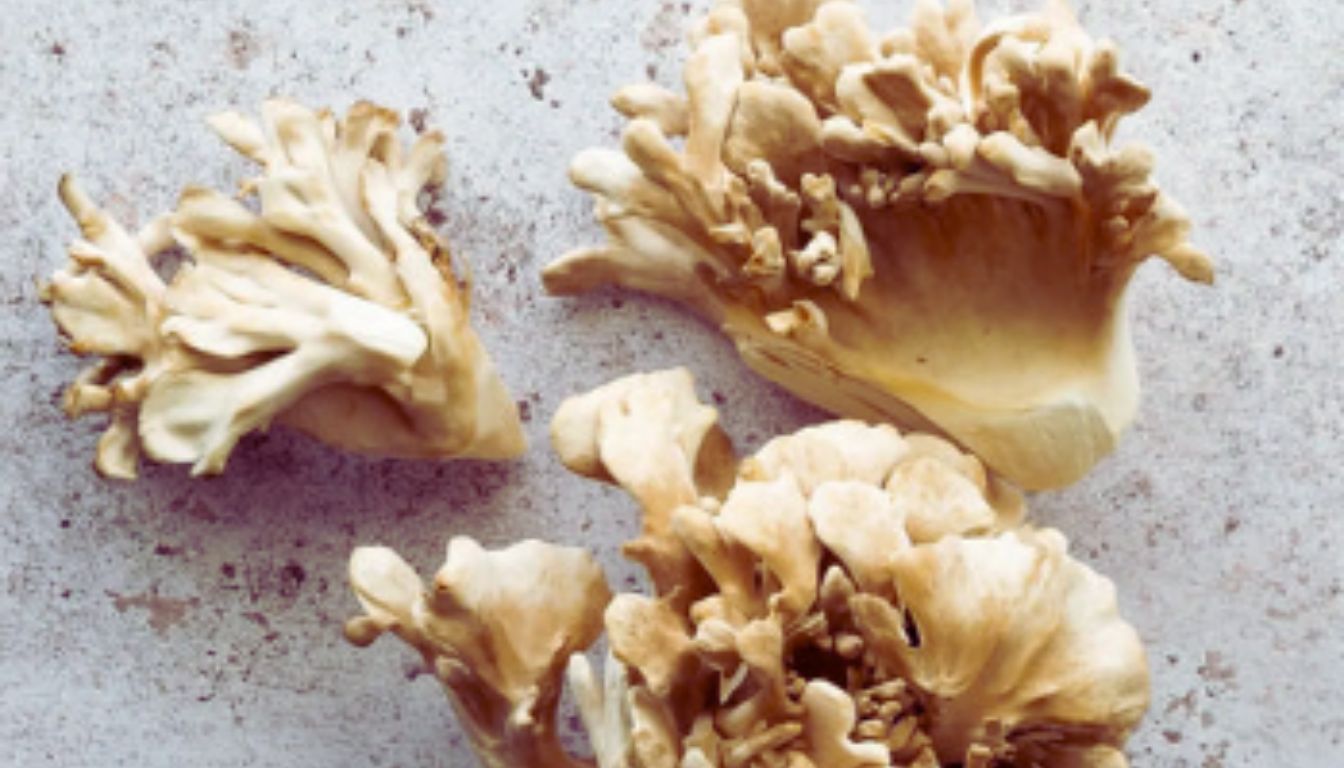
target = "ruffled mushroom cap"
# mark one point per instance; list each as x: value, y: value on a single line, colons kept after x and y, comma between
x: 1010, y: 639
x: 930, y: 228
x: 857, y: 598
x: 335, y: 309
x: 649, y: 434
x: 498, y: 629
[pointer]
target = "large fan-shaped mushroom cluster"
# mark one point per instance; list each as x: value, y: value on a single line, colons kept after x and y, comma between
x: 931, y: 227
x: 855, y: 597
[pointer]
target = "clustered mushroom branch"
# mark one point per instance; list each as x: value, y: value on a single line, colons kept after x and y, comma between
x: 333, y: 306
x: 931, y: 227
x: 853, y: 597
x: 498, y: 629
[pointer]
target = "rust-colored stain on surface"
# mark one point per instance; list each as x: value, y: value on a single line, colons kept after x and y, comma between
x: 164, y: 612
x: 1216, y: 669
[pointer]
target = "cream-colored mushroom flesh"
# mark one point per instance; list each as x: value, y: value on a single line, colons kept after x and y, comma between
x: 848, y: 597
x: 855, y: 597
x: 329, y: 304
x: 932, y: 228
x: 498, y: 629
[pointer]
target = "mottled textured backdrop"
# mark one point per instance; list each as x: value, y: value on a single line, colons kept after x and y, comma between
x: 173, y: 622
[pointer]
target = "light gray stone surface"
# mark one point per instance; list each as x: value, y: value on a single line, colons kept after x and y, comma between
x: 173, y: 622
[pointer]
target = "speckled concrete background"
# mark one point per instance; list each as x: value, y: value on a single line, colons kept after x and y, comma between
x: 183, y: 623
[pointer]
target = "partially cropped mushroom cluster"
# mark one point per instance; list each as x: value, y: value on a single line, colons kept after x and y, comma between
x: 497, y: 628
x: 330, y: 305
x: 847, y: 597
x: 930, y: 227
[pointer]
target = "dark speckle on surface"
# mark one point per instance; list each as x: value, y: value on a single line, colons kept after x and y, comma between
x: 291, y: 580
x: 419, y: 119
x: 243, y: 47
x: 422, y: 9
x: 536, y: 83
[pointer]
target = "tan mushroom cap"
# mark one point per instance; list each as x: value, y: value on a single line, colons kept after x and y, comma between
x: 856, y: 597
x: 931, y: 228
x: 848, y: 596
x: 498, y: 628
x: 335, y: 309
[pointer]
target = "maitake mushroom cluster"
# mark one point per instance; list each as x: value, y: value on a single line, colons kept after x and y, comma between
x: 330, y: 305
x: 930, y: 227
x: 847, y: 597
x: 497, y: 629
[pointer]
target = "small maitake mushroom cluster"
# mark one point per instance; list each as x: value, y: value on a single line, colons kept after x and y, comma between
x: 497, y: 628
x: 847, y: 597
x: 931, y: 227
x: 334, y: 309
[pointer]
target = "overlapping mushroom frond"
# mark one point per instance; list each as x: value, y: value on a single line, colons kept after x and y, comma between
x: 932, y: 227
x: 852, y: 597
x: 498, y: 629
x: 334, y: 309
